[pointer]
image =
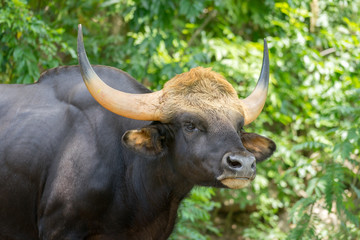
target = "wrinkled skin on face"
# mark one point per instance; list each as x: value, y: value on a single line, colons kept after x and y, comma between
x: 204, y: 133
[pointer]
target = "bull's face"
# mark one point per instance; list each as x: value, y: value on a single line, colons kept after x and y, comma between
x: 206, y: 150
x: 214, y: 150
x: 197, y: 123
x: 204, y: 137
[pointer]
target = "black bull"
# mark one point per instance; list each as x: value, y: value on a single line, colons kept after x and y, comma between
x: 65, y: 173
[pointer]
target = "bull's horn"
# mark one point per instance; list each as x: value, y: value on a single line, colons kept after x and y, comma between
x: 135, y: 106
x: 254, y: 103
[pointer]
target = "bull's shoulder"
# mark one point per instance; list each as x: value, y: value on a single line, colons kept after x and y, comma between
x: 67, y: 84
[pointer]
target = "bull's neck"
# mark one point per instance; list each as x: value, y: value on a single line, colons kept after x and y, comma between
x: 156, y: 181
x: 158, y: 191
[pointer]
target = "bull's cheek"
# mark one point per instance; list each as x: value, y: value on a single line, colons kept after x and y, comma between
x: 235, y: 183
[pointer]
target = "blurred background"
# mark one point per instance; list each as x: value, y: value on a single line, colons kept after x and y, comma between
x: 310, y: 188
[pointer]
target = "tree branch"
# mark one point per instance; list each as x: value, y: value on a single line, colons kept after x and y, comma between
x: 211, y: 15
x: 314, y: 14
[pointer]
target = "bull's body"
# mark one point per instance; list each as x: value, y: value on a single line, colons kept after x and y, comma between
x: 64, y: 173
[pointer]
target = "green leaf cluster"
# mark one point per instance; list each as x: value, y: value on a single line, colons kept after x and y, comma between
x: 28, y: 44
x: 194, y: 212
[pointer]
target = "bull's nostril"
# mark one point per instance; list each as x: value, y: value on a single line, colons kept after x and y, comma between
x: 233, y: 163
x: 253, y: 166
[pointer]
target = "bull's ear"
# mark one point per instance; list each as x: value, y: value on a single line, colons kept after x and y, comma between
x: 260, y: 146
x: 147, y: 140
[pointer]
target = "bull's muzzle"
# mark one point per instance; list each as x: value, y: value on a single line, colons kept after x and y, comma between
x: 239, y: 169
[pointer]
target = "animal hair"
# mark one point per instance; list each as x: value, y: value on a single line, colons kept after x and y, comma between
x: 200, y: 88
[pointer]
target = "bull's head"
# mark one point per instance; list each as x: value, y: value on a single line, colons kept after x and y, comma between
x: 197, y: 119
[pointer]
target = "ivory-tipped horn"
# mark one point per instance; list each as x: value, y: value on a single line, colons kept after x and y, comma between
x: 255, y: 102
x: 135, y: 106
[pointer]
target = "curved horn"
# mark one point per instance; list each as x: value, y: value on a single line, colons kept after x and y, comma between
x: 135, y: 106
x: 255, y: 102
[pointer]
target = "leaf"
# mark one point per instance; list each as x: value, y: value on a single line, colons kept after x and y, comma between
x: 18, y: 35
x: 343, y: 149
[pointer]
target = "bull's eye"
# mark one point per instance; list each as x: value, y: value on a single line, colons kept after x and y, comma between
x: 190, y: 127
x: 241, y: 130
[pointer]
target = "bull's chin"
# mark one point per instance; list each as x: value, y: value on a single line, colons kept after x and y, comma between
x: 236, y: 183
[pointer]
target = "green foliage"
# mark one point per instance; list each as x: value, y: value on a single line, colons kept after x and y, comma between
x: 310, y: 188
x: 301, y: 216
x: 28, y: 44
x: 195, y: 216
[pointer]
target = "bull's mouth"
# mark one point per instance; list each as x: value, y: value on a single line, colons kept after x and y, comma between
x: 242, y: 178
x: 235, y: 182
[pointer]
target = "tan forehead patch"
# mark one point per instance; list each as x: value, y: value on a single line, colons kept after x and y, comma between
x: 198, y: 90
x: 200, y: 80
